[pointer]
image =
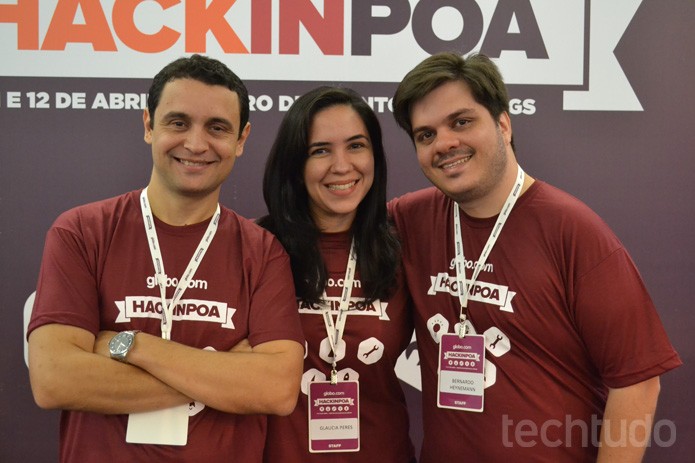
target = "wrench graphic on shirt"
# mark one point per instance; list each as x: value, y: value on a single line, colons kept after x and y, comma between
x: 494, y: 343
x: 367, y: 354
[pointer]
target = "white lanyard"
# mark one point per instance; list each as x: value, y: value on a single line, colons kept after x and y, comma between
x: 464, y: 286
x: 160, y: 274
x: 335, y: 330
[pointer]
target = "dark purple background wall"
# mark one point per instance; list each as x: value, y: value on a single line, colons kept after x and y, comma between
x: 635, y: 169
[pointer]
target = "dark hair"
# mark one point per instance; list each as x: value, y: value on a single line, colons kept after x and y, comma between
x: 479, y: 72
x: 204, y: 69
x: 377, y: 248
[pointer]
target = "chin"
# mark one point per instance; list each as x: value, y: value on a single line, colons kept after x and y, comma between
x: 460, y: 195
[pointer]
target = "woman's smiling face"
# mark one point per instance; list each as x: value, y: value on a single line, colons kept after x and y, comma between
x: 339, y: 170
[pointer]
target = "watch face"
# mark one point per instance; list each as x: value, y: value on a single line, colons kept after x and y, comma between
x: 120, y: 343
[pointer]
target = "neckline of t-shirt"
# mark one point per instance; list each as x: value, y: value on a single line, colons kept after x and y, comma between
x: 179, y: 230
x: 489, y: 222
x: 336, y: 238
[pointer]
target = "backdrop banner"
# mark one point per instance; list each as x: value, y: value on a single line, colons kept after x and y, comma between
x: 601, y: 106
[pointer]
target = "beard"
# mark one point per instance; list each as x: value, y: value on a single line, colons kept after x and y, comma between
x: 495, y: 165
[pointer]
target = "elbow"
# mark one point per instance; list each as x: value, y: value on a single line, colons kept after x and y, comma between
x: 49, y: 387
x: 46, y: 403
x: 276, y: 397
x: 45, y: 386
x: 45, y: 396
x: 288, y: 394
x: 282, y: 399
x: 284, y: 396
x: 286, y: 403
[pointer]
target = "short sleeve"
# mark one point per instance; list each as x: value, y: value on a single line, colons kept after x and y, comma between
x: 619, y: 323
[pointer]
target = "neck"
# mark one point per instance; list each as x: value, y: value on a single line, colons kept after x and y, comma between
x: 180, y: 210
x: 491, y: 205
x: 334, y: 224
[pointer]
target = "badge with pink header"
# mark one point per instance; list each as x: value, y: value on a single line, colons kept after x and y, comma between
x: 334, y: 417
x: 461, y: 372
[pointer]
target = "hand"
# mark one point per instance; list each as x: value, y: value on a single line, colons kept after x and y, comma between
x: 101, y: 343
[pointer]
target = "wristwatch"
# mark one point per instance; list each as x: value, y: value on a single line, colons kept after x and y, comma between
x: 120, y: 345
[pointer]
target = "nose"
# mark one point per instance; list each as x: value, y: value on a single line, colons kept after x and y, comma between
x: 341, y: 162
x: 196, y: 140
x: 446, y: 141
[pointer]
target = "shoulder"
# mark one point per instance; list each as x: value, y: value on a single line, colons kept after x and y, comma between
x: 558, y: 213
x: 95, y: 214
x: 242, y: 224
x: 554, y: 203
x: 552, y: 196
x: 415, y: 201
x: 248, y: 232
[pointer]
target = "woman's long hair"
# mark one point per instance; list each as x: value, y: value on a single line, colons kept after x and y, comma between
x: 289, y: 218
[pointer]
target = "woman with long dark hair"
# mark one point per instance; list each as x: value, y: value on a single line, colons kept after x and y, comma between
x: 325, y: 189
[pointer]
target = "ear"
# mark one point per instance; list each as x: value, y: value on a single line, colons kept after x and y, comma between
x: 148, y: 127
x: 505, y: 124
x: 242, y: 139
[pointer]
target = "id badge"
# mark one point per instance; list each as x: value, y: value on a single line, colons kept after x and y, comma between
x: 162, y: 427
x: 334, y: 417
x: 461, y: 382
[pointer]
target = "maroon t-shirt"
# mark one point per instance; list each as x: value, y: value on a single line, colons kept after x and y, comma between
x: 569, y: 304
x: 375, y: 335
x: 97, y: 274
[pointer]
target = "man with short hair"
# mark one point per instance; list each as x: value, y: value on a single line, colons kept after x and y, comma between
x: 142, y: 298
x: 533, y: 324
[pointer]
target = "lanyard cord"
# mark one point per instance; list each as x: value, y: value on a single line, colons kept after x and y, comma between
x: 465, y: 286
x: 335, y: 330
x: 160, y: 274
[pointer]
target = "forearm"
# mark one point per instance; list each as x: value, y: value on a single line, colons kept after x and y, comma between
x: 627, y: 422
x: 66, y: 374
x: 265, y: 380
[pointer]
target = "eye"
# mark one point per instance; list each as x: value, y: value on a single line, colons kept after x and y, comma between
x: 424, y: 136
x: 317, y: 152
x: 219, y: 127
x: 357, y: 145
x: 461, y: 122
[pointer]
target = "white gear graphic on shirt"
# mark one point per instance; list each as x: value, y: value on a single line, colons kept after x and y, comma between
x: 490, y: 373
x: 325, y: 351
x: 195, y: 407
x: 496, y: 342
x: 311, y: 375
x: 437, y: 325
x: 370, y: 351
x: 348, y: 374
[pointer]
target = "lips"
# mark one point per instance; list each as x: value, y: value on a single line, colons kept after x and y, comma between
x: 450, y: 164
x: 189, y: 163
x: 341, y: 186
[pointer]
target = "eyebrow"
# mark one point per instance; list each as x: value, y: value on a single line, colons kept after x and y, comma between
x: 181, y: 115
x: 221, y: 120
x: 175, y: 115
x: 353, y: 138
x: 450, y: 117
